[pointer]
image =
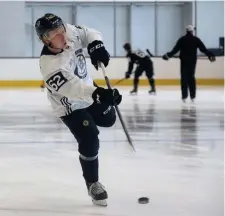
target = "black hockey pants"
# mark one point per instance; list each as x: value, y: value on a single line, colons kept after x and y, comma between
x: 187, y: 70
x: 83, y: 125
x: 148, y: 68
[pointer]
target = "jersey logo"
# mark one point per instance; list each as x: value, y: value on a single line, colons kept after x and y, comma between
x: 56, y: 81
x: 81, y: 69
x: 140, y: 53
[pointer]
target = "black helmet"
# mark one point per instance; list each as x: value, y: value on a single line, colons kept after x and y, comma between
x: 46, y: 23
x: 127, y: 46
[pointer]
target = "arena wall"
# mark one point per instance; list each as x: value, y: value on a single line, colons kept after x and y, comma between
x: 26, y: 73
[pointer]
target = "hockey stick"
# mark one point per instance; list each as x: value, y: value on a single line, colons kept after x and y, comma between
x: 149, y: 53
x: 119, y: 81
x: 117, y: 108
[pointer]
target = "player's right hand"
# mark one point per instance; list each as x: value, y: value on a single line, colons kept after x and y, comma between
x: 107, y: 96
x: 127, y: 75
x: 212, y: 58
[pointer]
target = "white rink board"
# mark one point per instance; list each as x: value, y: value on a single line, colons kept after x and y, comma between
x: 28, y: 69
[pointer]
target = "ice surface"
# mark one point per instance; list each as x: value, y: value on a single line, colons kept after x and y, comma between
x: 178, y: 163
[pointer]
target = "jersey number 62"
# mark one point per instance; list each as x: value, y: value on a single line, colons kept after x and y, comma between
x: 56, y: 81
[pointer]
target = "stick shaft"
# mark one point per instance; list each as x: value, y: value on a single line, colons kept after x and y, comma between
x: 119, y: 81
x: 117, y: 109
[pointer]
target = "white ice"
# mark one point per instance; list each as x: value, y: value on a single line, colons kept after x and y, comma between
x: 178, y: 163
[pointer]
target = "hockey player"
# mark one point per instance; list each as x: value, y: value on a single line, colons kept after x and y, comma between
x: 72, y: 94
x: 188, y: 45
x: 144, y: 63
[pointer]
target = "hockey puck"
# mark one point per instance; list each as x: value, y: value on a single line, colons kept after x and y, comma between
x: 143, y: 200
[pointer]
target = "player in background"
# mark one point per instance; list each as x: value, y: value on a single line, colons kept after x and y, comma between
x: 73, y: 97
x: 144, y: 63
x: 188, y: 45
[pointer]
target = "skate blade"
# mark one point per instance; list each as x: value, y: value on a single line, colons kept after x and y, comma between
x: 152, y: 93
x: 100, y: 202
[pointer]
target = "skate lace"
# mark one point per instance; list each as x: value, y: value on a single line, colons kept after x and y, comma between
x: 97, y: 188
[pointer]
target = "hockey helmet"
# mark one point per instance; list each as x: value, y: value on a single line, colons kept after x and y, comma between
x: 47, y: 23
x: 127, y: 46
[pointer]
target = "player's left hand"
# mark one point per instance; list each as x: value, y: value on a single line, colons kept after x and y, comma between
x: 127, y: 75
x: 165, y: 57
x: 98, y: 53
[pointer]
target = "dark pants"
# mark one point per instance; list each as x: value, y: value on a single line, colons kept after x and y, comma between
x: 148, y: 68
x: 83, y: 125
x: 187, y: 69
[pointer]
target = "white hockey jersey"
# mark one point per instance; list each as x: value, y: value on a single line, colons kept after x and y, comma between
x: 69, y: 84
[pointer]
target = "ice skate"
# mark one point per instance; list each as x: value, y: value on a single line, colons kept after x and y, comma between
x: 133, y: 92
x: 152, y: 92
x: 98, y: 194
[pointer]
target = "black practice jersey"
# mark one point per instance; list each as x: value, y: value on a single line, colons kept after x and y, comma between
x: 188, y: 45
x: 137, y: 57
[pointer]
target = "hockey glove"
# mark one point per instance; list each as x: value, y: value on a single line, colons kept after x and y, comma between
x: 212, y: 58
x: 107, y: 96
x: 165, y: 57
x: 127, y: 75
x: 98, y: 53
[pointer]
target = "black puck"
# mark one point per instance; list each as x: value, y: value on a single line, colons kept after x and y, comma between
x: 143, y: 200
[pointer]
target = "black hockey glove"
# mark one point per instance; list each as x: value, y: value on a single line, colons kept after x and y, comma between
x: 212, y: 58
x: 127, y: 75
x: 98, y: 53
x: 107, y: 96
x: 165, y: 57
